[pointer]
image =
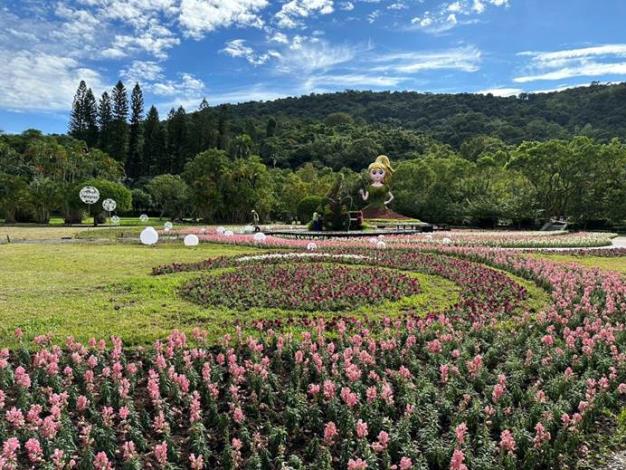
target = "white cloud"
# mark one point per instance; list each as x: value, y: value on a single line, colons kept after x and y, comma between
x: 187, y: 86
x: 142, y: 72
x: 155, y: 40
x: 595, y: 61
x: 503, y: 92
x: 292, y: 12
x: 198, y: 17
x: 346, y: 6
x: 397, y: 6
x: 39, y: 81
x: 238, y: 48
x: 465, y: 59
x: 447, y: 15
x: 306, y: 55
x: 353, y: 80
x: 280, y: 38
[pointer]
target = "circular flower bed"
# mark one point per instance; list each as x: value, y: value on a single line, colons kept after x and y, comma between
x: 300, y: 286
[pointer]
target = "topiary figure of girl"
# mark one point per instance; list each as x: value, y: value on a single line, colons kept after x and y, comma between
x: 378, y: 194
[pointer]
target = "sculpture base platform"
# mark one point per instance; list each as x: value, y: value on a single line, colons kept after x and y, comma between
x: 312, y: 234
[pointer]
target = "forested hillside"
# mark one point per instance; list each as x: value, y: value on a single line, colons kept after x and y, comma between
x: 462, y: 159
x: 597, y: 111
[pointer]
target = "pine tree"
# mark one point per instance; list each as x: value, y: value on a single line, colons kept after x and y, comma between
x: 134, y: 165
x: 77, y: 126
x: 119, y: 134
x: 105, y: 123
x: 202, y: 135
x: 154, y: 150
x: 90, y: 111
x: 178, y: 139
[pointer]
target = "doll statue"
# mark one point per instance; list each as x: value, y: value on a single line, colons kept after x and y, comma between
x: 378, y: 194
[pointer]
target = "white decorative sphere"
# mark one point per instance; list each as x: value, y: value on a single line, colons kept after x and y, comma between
x: 191, y: 240
x: 115, y: 220
x: 149, y: 236
x: 260, y: 237
x: 220, y: 230
x: 167, y: 226
x: 144, y: 218
x: 381, y: 245
x: 228, y: 233
x: 109, y: 205
x: 312, y: 246
x: 89, y: 194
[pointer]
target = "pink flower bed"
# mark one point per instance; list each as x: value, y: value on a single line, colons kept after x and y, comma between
x: 298, y: 286
x: 479, y: 386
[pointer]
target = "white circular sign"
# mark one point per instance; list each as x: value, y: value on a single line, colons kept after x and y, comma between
x: 115, y: 220
x: 144, y: 218
x: 149, y: 236
x: 109, y: 205
x: 89, y: 195
x: 260, y: 237
x: 191, y: 240
x: 168, y: 226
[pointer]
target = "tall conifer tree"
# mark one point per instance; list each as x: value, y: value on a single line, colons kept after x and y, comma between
x: 154, y: 150
x: 134, y: 165
x: 77, y: 126
x: 105, y: 122
x: 119, y: 134
x: 90, y: 110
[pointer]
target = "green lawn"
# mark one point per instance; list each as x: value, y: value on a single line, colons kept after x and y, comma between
x: 89, y: 290
x: 617, y: 263
x: 86, y: 290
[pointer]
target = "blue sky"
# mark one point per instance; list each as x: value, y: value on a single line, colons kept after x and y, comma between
x: 239, y: 50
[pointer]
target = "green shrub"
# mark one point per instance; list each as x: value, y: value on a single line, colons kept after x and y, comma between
x: 307, y: 206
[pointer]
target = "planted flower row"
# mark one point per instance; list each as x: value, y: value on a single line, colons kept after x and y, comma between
x: 457, y: 389
x: 300, y: 286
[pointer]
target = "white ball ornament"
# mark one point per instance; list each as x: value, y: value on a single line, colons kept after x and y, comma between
x: 167, y: 226
x: 149, y: 236
x: 144, y: 218
x: 115, y: 220
x: 191, y: 240
x: 260, y: 237
x: 312, y: 246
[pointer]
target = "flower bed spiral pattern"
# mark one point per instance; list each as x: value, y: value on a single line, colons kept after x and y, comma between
x: 300, y: 286
x: 479, y: 386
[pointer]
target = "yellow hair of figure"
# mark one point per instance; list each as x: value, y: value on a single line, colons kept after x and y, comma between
x: 382, y: 163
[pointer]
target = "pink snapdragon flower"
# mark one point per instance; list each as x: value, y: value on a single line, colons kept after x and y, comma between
x: 507, y: 442
x: 330, y: 431
x: 361, y: 429
x: 456, y: 463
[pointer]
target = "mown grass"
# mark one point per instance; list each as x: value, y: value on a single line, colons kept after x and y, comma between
x: 101, y: 289
x: 617, y: 264
x: 95, y: 290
